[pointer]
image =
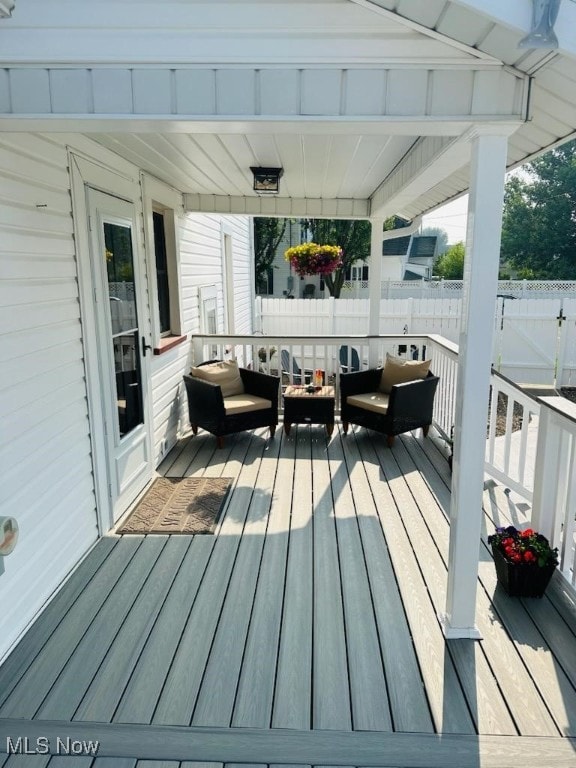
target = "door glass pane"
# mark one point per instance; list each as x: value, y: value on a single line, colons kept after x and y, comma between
x: 124, y: 320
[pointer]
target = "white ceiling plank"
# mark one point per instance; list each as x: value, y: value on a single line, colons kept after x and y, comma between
x: 426, y: 13
x: 342, y: 151
x: 316, y: 153
x: 462, y: 24
x: 290, y: 152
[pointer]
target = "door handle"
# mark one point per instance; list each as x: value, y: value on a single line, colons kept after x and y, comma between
x: 145, y: 346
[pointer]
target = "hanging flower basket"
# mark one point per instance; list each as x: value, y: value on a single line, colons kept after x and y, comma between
x: 524, y: 561
x: 314, y: 259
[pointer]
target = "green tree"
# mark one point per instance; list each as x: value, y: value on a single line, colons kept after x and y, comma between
x: 268, y: 233
x: 352, y: 236
x: 451, y: 264
x: 539, y: 221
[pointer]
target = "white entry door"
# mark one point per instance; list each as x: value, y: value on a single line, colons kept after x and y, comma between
x: 121, y: 316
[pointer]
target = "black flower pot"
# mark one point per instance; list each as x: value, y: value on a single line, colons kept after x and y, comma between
x: 519, y: 579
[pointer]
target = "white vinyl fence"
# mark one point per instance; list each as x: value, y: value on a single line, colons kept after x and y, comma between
x: 534, y: 339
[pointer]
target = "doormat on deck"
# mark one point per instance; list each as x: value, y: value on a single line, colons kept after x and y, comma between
x: 179, y: 505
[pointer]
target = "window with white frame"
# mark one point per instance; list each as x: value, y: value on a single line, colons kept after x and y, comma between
x: 161, y: 206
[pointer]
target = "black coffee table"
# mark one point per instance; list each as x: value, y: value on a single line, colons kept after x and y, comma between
x: 302, y: 406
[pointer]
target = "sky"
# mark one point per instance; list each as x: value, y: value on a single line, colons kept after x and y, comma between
x: 452, y: 218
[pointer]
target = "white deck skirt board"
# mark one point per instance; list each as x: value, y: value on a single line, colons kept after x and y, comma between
x: 345, y: 538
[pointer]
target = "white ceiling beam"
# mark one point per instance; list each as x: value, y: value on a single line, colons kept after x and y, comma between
x: 336, y: 208
x: 425, y: 30
x: 428, y: 163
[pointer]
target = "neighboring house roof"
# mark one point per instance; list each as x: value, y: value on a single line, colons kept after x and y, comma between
x: 398, y: 246
x: 423, y: 246
x: 409, y: 275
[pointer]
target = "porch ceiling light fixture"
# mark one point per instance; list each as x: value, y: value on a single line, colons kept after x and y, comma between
x: 267, y: 180
x: 6, y: 8
x: 542, y: 35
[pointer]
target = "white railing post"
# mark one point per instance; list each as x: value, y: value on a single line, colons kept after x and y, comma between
x: 375, y: 287
x: 546, y: 474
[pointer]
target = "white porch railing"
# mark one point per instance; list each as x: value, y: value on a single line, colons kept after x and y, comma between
x: 531, y: 450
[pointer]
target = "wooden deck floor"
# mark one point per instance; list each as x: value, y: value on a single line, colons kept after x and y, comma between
x: 304, y: 632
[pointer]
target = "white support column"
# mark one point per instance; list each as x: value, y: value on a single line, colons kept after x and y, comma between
x: 375, y: 287
x: 488, y: 165
x: 375, y: 281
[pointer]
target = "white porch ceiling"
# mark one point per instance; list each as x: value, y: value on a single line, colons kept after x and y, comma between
x: 315, y: 166
x: 443, y: 56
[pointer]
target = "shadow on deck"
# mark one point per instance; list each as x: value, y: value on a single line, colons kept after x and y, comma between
x: 305, y: 631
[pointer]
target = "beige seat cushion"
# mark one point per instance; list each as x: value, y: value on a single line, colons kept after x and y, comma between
x: 226, y: 374
x: 399, y: 371
x: 245, y: 403
x: 370, y: 401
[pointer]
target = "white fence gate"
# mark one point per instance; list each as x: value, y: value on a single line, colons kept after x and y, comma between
x: 534, y: 339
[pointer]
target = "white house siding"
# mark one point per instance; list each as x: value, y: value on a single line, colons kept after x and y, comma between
x: 201, y: 266
x: 45, y: 451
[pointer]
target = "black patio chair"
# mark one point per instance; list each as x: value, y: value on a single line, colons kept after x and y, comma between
x: 256, y: 406
x: 408, y: 406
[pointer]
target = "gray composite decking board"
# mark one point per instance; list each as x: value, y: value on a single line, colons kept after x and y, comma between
x: 489, y: 711
x: 555, y: 613
x: 34, y: 640
x: 410, y: 711
x: 194, y: 764
x: 201, y: 458
x: 446, y: 699
x: 105, y: 690
x: 293, y: 688
x: 550, y: 679
x: 91, y: 650
x: 143, y: 690
x: 331, y: 702
x: 178, y: 698
x: 71, y: 761
x: 551, y: 665
x: 481, y: 690
x: 370, y: 705
x: 158, y: 764
x: 216, y: 697
x: 114, y: 762
x: 315, y: 747
x: 46, y: 667
x: 429, y: 476
x: 178, y: 467
x: 255, y: 694
x: 556, y: 630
